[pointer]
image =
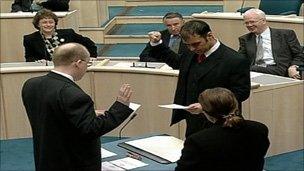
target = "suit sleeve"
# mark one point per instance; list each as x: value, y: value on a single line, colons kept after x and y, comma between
x: 296, y: 50
x: 167, y: 55
x: 29, y: 56
x: 240, y: 79
x: 56, y: 5
x: 147, y: 55
x: 79, y: 111
x: 85, y: 41
x: 190, y: 159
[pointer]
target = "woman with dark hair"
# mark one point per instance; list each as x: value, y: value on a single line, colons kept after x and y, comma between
x: 40, y: 45
x: 232, y: 143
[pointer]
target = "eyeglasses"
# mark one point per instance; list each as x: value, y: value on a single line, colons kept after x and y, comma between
x: 252, y: 22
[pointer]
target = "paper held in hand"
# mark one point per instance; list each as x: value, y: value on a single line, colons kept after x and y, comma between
x: 173, y: 106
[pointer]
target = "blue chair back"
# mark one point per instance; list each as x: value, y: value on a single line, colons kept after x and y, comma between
x: 277, y: 7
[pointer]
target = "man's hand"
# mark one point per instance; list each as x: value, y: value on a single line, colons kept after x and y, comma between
x: 293, y: 73
x: 100, y: 112
x: 195, y: 108
x: 124, y: 94
x: 154, y: 36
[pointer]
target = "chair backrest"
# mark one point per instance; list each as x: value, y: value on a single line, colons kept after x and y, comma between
x: 276, y: 7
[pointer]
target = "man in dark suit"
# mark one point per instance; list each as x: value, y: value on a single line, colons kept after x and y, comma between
x: 170, y: 37
x: 66, y: 129
x: 35, y: 5
x: 209, y: 64
x: 271, y: 51
x: 230, y: 144
x: 41, y: 44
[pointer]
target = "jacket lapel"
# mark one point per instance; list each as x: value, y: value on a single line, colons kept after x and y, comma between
x: 252, y: 48
x: 275, y: 40
x: 211, y: 62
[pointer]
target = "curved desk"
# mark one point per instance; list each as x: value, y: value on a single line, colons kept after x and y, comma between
x: 277, y: 102
x: 229, y: 26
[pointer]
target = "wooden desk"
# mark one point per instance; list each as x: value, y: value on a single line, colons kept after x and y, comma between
x: 15, y: 25
x: 229, y: 26
x: 278, y: 102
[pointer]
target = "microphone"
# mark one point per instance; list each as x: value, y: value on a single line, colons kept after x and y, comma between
x: 242, y: 6
x: 131, y: 118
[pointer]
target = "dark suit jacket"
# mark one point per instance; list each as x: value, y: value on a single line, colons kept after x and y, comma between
x: 226, y: 149
x: 286, y: 51
x: 65, y: 127
x: 54, y: 5
x: 35, y: 46
x: 147, y: 55
x: 223, y: 68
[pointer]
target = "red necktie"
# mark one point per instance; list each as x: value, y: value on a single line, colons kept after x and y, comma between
x: 201, y: 58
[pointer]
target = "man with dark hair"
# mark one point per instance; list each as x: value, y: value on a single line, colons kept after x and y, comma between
x: 271, y: 51
x: 209, y: 64
x: 170, y: 37
x: 66, y: 129
x: 36, y: 5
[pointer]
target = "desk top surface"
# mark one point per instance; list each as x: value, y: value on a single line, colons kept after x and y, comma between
x: 16, y: 15
x: 121, y: 153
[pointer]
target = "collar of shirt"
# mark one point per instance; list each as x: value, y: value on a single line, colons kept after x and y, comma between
x: 264, y: 34
x: 213, y: 48
x: 63, y: 74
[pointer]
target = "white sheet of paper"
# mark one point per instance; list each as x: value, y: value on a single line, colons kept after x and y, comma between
x: 255, y: 74
x: 174, y: 106
x: 105, y: 153
x: 128, y: 163
x: 107, y: 166
x: 134, y: 106
x: 167, y: 147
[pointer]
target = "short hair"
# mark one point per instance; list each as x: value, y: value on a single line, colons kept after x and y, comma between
x: 44, y: 13
x: 65, y: 54
x: 221, y: 104
x: 193, y: 27
x: 255, y: 11
x: 170, y: 15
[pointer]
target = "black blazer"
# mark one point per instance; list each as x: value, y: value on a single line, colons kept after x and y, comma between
x: 35, y: 46
x: 65, y: 128
x: 226, y: 149
x: 286, y: 51
x: 54, y: 5
x: 223, y: 68
x: 147, y: 55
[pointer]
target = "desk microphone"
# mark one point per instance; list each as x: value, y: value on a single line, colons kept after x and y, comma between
x: 242, y: 6
x: 131, y: 118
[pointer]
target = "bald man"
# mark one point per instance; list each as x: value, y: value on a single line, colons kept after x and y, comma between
x: 66, y: 129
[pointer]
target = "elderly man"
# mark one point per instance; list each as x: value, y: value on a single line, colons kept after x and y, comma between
x: 169, y: 37
x: 208, y: 64
x: 66, y: 129
x: 271, y: 51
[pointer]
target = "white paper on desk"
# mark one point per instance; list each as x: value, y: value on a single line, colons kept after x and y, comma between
x: 166, y: 147
x: 128, y: 163
x: 105, y: 153
x: 107, y: 166
x: 255, y: 74
x: 174, y: 106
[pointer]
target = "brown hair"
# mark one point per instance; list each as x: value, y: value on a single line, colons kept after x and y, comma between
x: 170, y: 15
x: 44, y: 13
x: 221, y: 104
x: 65, y: 54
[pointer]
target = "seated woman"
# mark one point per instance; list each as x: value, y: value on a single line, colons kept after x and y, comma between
x: 41, y: 44
x: 231, y: 144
